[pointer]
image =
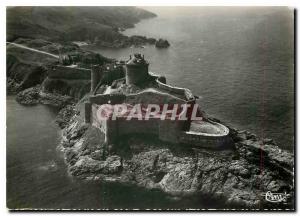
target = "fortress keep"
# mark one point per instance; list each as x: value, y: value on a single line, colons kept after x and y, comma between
x: 138, y: 86
x: 136, y: 70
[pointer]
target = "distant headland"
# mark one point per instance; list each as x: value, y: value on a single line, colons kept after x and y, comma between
x: 97, y: 26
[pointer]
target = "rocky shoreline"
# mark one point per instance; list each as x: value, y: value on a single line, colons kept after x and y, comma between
x: 34, y: 95
x: 124, y: 42
x: 240, y: 175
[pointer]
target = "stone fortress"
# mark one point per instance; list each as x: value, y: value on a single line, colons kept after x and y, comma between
x: 134, y: 84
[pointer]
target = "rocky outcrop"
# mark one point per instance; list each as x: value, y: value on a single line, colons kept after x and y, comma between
x: 239, y: 175
x: 29, y: 96
x: 123, y: 42
x: 34, y: 95
x: 161, y: 43
x: 64, y: 116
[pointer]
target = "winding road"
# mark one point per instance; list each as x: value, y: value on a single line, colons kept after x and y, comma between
x: 32, y: 49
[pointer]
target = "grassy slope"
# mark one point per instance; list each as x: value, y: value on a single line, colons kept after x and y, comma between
x: 71, y: 23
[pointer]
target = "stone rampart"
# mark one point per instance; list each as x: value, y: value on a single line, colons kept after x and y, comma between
x: 206, y: 140
x: 64, y: 72
x: 107, y: 99
x: 175, y: 90
x: 138, y: 126
x: 166, y: 130
x: 153, y: 96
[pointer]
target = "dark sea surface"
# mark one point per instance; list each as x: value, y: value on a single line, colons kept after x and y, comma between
x: 241, y: 64
x: 239, y: 60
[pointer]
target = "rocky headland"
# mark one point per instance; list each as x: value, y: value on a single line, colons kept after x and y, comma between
x: 240, y: 175
x: 161, y: 43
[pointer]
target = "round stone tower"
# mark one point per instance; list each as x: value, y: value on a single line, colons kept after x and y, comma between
x: 96, y: 75
x: 136, y: 70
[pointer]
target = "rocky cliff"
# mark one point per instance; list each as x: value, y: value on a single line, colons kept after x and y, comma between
x: 240, y: 175
x: 25, y: 68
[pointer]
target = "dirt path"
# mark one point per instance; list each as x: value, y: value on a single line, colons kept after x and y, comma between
x: 32, y: 49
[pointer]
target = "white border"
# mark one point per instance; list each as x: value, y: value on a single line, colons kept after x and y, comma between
x: 152, y: 3
x: 3, y: 4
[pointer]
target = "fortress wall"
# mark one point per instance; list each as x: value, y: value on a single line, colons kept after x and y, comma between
x: 144, y: 98
x: 166, y: 130
x: 137, y: 126
x: 112, y: 131
x: 175, y: 90
x: 203, y: 140
x: 106, y: 98
x: 169, y: 130
x: 161, y: 79
x: 136, y: 74
x: 96, y: 122
x: 114, y: 128
x: 88, y: 113
x: 171, y: 89
x: 148, y: 97
x: 96, y: 76
x: 76, y: 88
x: 109, y: 76
x: 63, y: 72
x: 154, y: 77
x: 106, y: 126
